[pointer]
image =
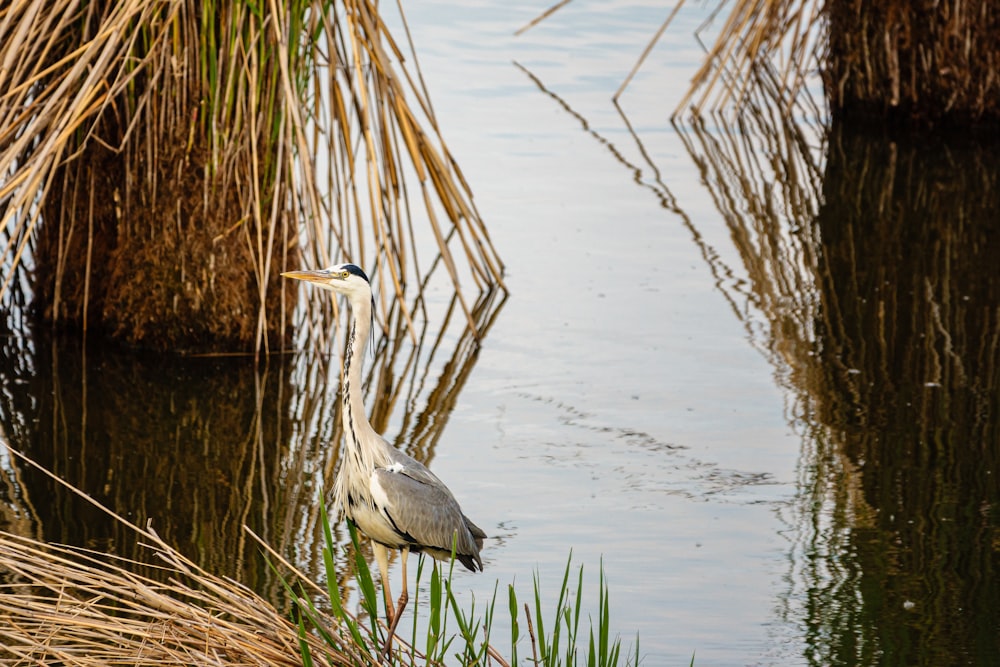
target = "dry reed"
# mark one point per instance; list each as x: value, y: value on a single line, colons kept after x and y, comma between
x: 923, y: 63
x: 864, y: 275
x: 261, y: 455
x: 220, y: 443
x: 866, y: 282
x: 76, y: 606
x: 79, y: 607
x: 782, y: 37
x: 161, y: 162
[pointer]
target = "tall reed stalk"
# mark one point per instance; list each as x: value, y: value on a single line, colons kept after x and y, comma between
x: 161, y: 161
x: 928, y: 65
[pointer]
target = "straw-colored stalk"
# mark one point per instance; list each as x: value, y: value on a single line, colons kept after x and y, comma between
x: 162, y: 161
x: 220, y: 443
x: 866, y: 281
x: 930, y: 63
x: 76, y: 607
x: 781, y: 37
x: 923, y: 63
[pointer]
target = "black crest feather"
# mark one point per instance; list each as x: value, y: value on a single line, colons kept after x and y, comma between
x: 356, y: 270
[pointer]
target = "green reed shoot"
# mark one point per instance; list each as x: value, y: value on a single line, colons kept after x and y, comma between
x: 458, y: 635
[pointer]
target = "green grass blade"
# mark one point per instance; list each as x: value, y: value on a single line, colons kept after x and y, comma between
x: 369, y: 598
x: 331, y: 583
x: 467, y: 629
x: 515, y: 631
x: 434, y: 623
x: 297, y: 599
x: 561, y: 609
x: 488, y: 624
x: 416, y: 599
x: 574, y: 628
x: 540, y: 636
x: 304, y: 651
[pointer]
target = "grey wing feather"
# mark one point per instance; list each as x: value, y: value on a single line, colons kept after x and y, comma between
x: 424, y: 510
x: 414, y: 468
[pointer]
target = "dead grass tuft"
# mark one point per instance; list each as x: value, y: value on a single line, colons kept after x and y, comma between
x: 79, y: 607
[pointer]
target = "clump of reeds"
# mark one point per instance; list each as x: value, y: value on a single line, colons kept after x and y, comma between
x: 162, y: 162
x: 779, y: 41
x: 80, y: 607
x: 927, y: 65
x: 77, y: 607
x: 931, y: 65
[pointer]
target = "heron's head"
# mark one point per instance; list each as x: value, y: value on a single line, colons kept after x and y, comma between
x: 343, y: 278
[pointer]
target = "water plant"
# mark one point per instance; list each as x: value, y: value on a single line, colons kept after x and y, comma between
x: 453, y: 634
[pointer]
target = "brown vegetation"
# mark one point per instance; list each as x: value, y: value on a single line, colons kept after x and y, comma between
x: 871, y: 288
x: 75, y: 607
x: 162, y: 272
x: 923, y: 62
x: 162, y: 162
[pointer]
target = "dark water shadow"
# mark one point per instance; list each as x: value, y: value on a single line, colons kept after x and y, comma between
x: 907, y: 386
x: 872, y: 288
x: 200, y: 447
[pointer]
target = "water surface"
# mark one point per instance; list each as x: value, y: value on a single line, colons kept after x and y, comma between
x: 751, y: 371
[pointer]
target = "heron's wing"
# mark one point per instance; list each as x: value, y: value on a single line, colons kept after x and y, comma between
x: 425, y: 513
x: 476, y: 531
x: 400, y: 461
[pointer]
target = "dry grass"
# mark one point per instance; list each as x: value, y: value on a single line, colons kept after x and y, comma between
x: 260, y: 455
x: 76, y: 606
x: 162, y: 162
x: 79, y: 607
x: 204, y: 447
x: 924, y: 63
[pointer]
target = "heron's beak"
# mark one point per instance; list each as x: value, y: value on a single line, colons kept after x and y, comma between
x: 317, y: 276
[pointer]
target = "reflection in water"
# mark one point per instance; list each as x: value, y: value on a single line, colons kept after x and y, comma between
x: 876, y: 295
x: 871, y: 286
x: 202, y: 446
x: 908, y: 385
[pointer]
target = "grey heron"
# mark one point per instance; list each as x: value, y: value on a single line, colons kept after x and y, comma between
x: 390, y: 496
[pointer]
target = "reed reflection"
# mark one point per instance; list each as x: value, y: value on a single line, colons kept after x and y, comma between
x: 907, y: 382
x: 202, y: 446
x: 873, y: 291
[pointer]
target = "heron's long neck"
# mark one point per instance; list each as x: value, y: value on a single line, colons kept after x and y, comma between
x: 355, y: 420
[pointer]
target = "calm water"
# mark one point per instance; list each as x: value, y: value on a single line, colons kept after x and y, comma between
x: 753, y: 373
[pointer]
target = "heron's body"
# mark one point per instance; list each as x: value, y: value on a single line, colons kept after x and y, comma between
x: 381, y: 512
x: 391, y: 497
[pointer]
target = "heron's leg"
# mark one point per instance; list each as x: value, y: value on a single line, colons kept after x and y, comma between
x: 404, y: 597
x: 382, y: 557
